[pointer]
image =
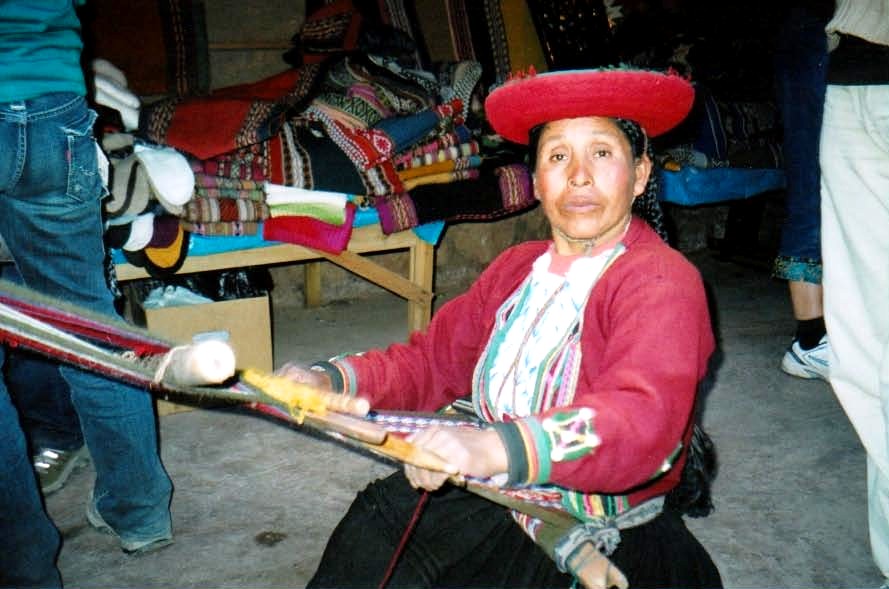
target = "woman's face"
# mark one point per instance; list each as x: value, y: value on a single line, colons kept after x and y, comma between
x: 586, y: 179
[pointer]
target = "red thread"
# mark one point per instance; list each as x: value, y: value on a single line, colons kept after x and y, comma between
x: 418, y: 511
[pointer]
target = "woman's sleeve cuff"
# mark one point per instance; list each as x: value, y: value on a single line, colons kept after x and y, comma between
x: 333, y: 373
x: 517, y: 457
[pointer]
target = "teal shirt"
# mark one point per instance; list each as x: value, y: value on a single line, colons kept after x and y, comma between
x: 40, y: 47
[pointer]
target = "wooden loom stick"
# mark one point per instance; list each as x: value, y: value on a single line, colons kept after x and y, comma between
x: 299, y: 395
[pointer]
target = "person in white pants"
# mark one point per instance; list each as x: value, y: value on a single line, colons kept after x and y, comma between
x: 854, y: 163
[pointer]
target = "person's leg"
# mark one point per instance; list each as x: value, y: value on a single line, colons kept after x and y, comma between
x: 460, y: 540
x: 806, y: 299
x: 463, y: 540
x: 48, y: 418
x: 44, y: 402
x: 29, y: 541
x: 53, y: 227
x: 855, y: 213
x: 800, y: 67
x: 808, y: 353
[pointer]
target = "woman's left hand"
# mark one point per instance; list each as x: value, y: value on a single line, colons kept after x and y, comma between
x: 474, y: 452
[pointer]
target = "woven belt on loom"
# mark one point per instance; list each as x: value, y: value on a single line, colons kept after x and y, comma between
x: 604, y: 532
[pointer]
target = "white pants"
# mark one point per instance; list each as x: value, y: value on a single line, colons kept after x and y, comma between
x: 855, y: 248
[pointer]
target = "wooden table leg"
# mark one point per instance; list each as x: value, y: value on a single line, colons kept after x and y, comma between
x: 312, y: 284
x: 422, y: 269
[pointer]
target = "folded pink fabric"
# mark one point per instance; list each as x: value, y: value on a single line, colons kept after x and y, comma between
x: 311, y: 232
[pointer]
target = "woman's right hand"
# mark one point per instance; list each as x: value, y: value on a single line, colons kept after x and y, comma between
x: 301, y: 374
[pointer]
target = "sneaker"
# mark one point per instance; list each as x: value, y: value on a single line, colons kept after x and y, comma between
x: 55, y: 466
x: 807, y: 363
x: 134, y: 547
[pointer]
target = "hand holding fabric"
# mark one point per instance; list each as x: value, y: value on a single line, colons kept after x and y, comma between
x: 478, y: 453
x: 302, y: 374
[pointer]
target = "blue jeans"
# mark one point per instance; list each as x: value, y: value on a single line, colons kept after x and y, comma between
x: 800, y: 70
x: 41, y: 396
x: 50, y: 194
x: 43, y: 401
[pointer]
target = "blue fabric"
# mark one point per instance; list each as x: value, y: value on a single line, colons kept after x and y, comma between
x: 50, y: 193
x: 44, y: 401
x: 40, y: 44
x: 697, y: 186
x: 800, y: 73
x: 30, y: 540
x: 408, y: 130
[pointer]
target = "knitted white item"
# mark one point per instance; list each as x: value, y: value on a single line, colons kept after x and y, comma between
x: 141, y: 230
x: 112, y: 95
x: 103, y: 67
x: 115, y: 141
x: 129, y: 188
x: 169, y: 173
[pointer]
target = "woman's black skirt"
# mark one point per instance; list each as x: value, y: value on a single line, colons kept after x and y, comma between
x: 462, y: 540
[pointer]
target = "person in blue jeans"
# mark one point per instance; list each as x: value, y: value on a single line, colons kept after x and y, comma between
x: 800, y: 77
x: 50, y: 193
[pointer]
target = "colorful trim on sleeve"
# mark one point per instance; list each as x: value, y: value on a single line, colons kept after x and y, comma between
x: 528, y: 451
x: 532, y: 445
x: 332, y: 372
x: 347, y: 374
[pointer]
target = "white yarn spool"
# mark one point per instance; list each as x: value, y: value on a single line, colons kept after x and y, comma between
x: 205, y: 362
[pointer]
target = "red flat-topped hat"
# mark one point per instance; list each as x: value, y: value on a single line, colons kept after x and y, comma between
x: 658, y: 101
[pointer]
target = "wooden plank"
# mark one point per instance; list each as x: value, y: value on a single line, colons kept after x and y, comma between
x: 422, y: 271
x: 381, y: 276
x: 312, y: 284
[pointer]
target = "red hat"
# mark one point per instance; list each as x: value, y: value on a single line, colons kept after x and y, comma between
x: 658, y: 101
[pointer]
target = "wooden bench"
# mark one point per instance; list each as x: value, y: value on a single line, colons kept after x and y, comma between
x: 415, y: 288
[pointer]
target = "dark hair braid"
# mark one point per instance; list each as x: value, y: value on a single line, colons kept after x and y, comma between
x: 646, y: 206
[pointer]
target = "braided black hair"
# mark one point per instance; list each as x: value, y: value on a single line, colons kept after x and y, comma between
x: 646, y: 206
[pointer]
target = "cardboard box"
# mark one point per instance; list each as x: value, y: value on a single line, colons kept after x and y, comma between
x: 246, y: 321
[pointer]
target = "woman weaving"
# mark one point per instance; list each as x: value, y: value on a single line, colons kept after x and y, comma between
x: 582, y: 353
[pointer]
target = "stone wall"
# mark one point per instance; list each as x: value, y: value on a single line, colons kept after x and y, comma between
x: 247, y: 39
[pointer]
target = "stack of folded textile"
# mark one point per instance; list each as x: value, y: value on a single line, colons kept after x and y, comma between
x: 292, y: 157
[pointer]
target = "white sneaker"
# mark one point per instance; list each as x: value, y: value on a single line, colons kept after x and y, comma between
x: 55, y: 466
x: 135, y: 547
x: 807, y: 363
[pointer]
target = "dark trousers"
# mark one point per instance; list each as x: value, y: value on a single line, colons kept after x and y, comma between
x: 463, y: 540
